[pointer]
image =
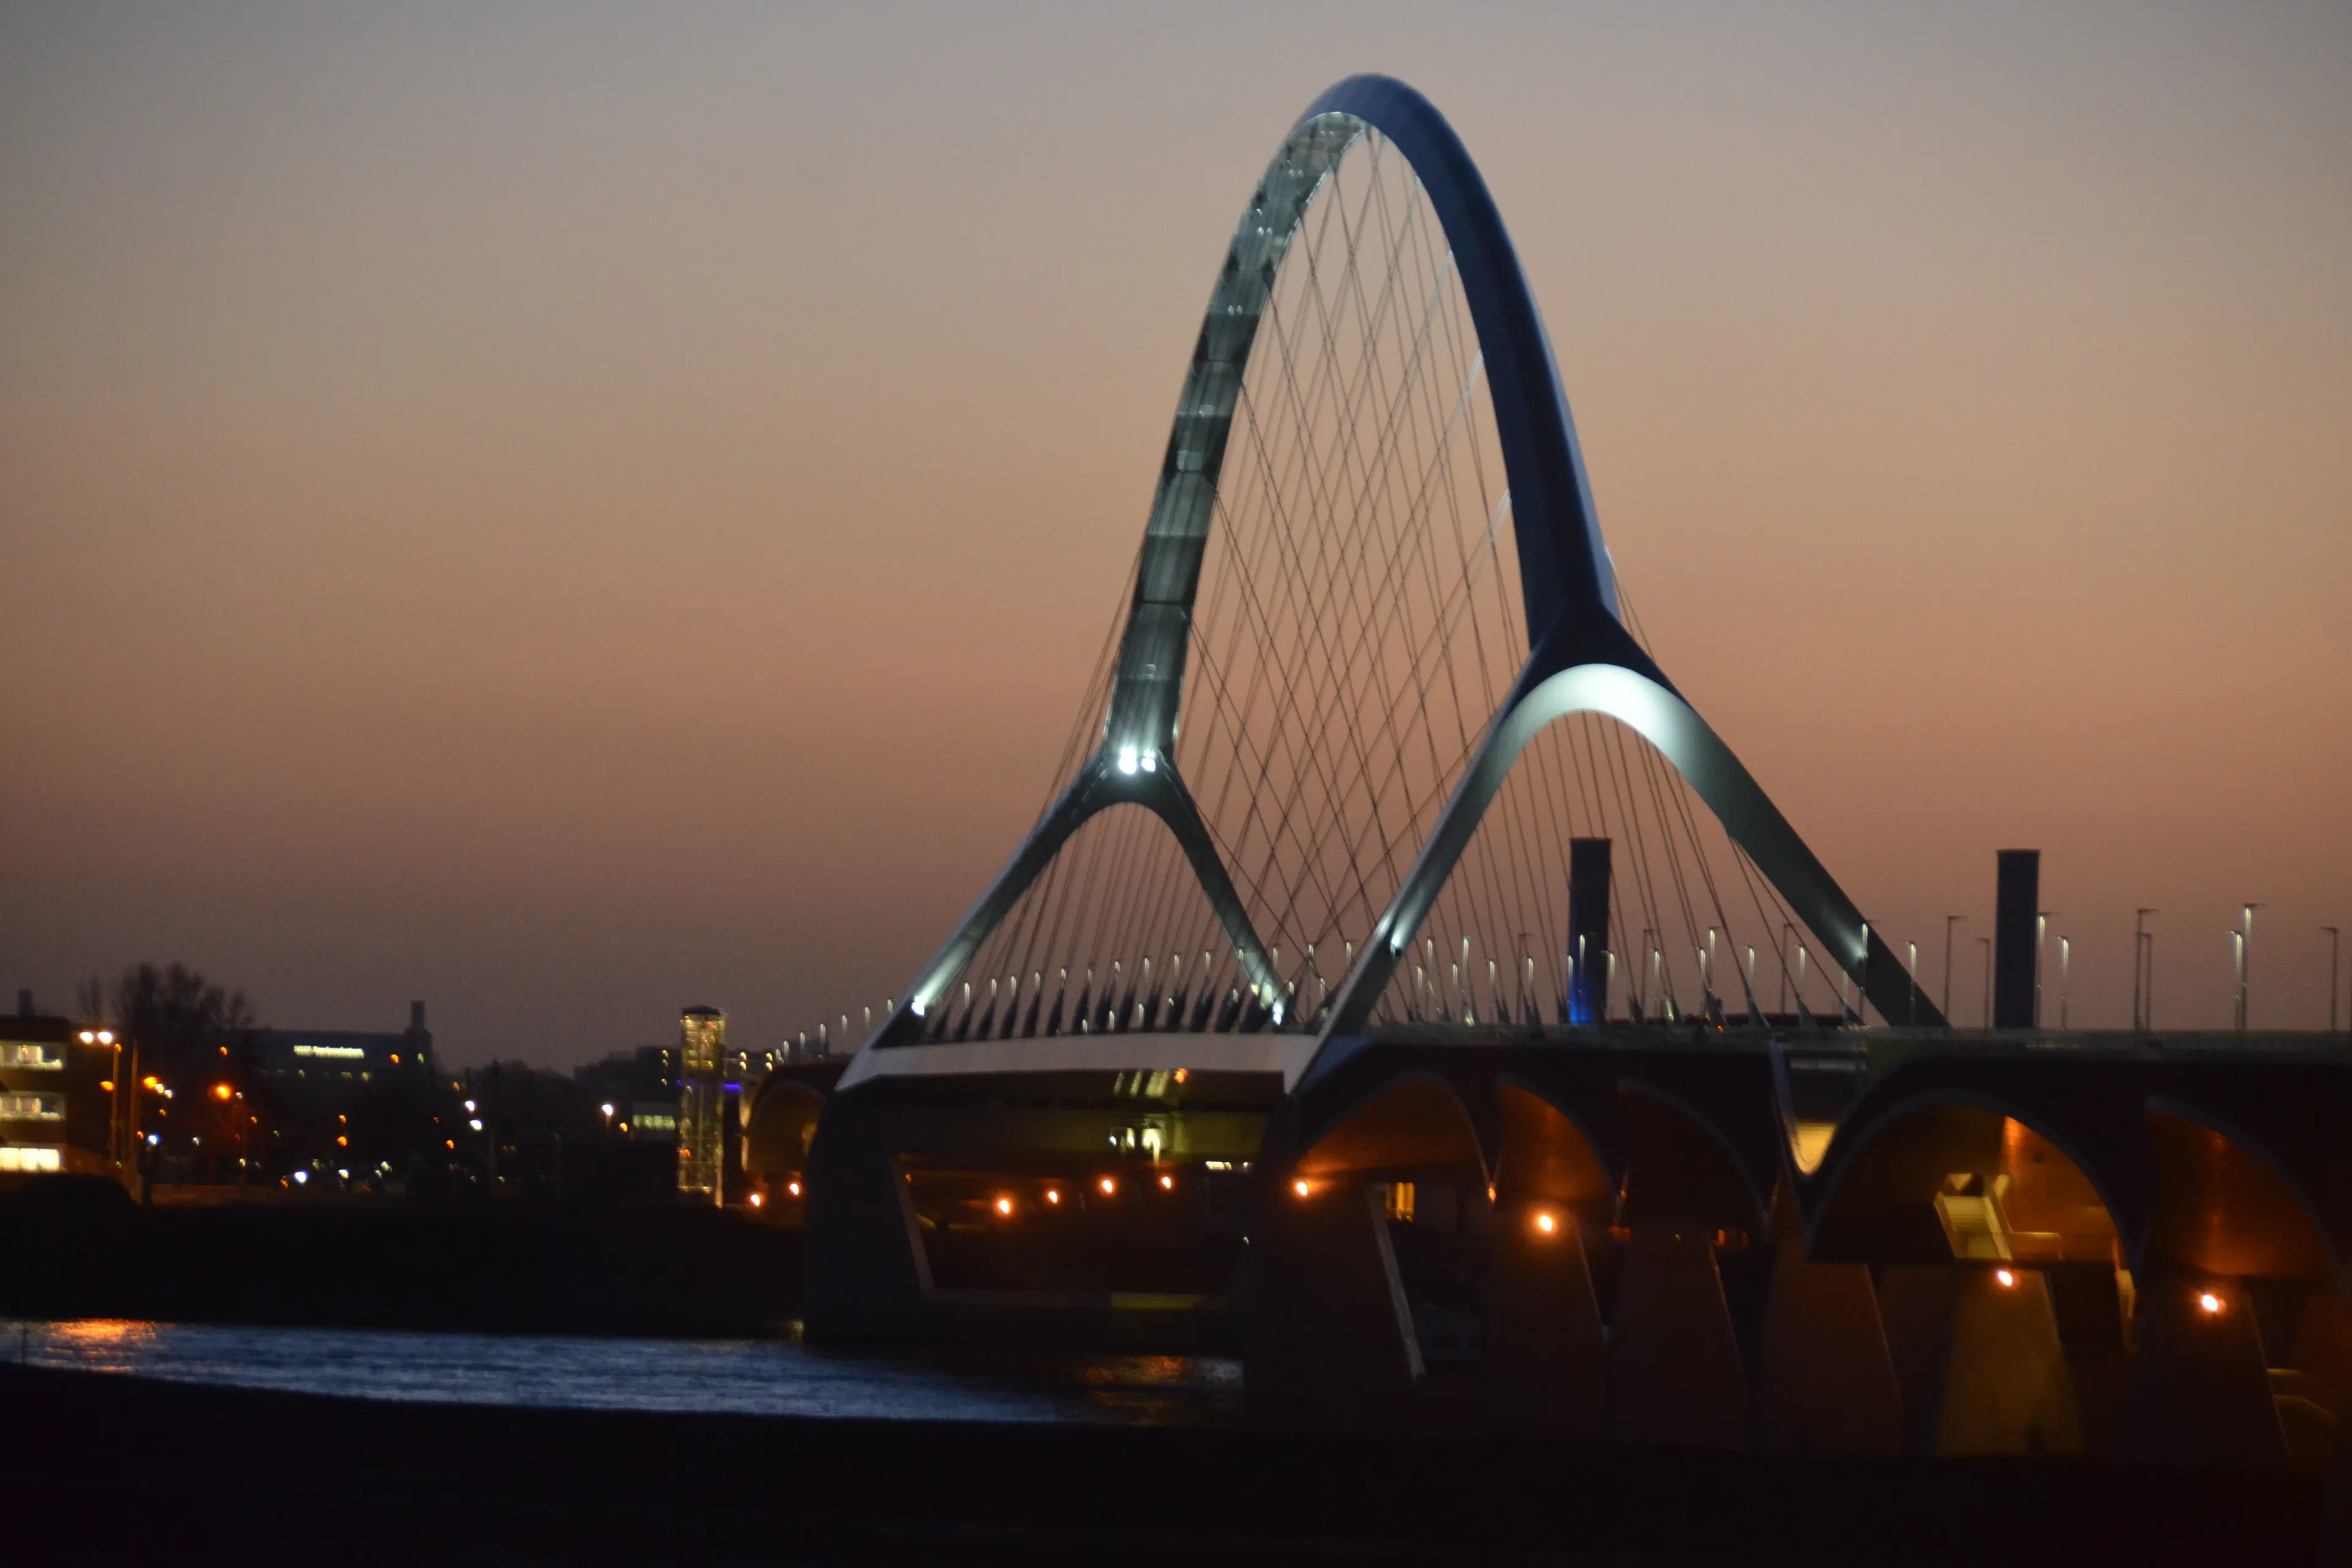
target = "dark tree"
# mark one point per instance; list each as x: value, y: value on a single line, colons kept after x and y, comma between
x: 183, y: 1028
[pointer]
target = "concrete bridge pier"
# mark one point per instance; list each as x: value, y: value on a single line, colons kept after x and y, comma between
x: 1675, y: 1370
x: 1978, y: 1361
x: 1327, y: 1332
x: 2006, y: 1385
x: 2201, y: 1390
x: 1545, y: 1359
x: 865, y: 1272
x: 1824, y: 1379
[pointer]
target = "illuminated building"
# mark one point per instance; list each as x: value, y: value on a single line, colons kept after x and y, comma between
x: 336, y: 1064
x: 702, y: 1104
x: 56, y: 1098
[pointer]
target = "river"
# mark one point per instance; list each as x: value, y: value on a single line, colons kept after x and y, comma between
x: 762, y: 1377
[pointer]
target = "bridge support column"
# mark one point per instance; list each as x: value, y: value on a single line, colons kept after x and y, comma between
x: 1824, y: 1379
x: 1545, y: 1366
x: 866, y: 1276
x: 2006, y: 1387
x: 1915, y: 1304
x: 1327, y: 1332
x: 2201, y: 1394
x: 1674, y: 1371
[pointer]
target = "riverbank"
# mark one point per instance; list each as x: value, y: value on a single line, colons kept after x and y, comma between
x: 132, y: 1469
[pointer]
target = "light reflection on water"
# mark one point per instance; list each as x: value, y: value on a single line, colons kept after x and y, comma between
x: 762, y: 1377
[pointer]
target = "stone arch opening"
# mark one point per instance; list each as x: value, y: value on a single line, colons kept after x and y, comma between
x: 2001, y: 1275
x: 776, y: 1143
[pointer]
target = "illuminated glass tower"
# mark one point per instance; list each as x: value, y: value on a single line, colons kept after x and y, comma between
x: 702, y: 1103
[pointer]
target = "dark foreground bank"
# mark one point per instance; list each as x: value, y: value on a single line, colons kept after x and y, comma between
x: 113, y: 1469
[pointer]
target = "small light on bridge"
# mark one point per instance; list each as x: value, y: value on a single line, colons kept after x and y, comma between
x: 1052, y: 1195
x: 1545, y: 1223
x: 2211, y: 1303
x: 1302, y: 1186
x: 2005, y: 1276
x: 1108, y: 1186
x: 792, y: 1188
x: 1005, y: 1208
x: 1167, y: 1183
x: 757, y: 1200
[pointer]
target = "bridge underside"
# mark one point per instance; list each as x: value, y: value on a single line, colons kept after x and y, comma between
x: 1815, y: 1241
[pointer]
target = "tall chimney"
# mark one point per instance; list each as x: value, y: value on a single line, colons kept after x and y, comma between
x: 2016, y: 901
x: 1587, y: 930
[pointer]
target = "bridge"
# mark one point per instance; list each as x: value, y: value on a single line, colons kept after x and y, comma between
x: 1404, y: 983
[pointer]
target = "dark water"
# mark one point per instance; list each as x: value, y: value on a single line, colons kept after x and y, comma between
x: 764, y: 1377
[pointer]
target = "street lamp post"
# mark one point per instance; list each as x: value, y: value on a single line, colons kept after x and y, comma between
x: 1949, y: 921
x: 2245, y: 935
x: 2065, y: 987
x: 1788, y: 936
x: 2143, y: 972
x: 2041, y: 941
x: 2238, y: 976
x: 2335, y: 974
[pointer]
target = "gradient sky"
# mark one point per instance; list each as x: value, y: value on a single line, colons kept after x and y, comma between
x: 565, y: 512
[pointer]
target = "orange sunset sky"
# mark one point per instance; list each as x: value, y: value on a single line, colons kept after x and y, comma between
x: 563, y: 511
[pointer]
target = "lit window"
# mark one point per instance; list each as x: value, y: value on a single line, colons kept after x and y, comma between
x: 28, y: 1054
x: 32, y: 1108
x: 21, y: 1159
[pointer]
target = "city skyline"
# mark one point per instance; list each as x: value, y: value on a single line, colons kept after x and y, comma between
x: 503, y: 510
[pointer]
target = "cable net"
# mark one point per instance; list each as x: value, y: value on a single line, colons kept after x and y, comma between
x: 1358, y: 622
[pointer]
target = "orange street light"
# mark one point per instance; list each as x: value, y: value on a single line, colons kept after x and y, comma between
x: 1545, y: 1223
x: 2211, y: 1303
x: 1005, y: 1208
x: 1107, y: 1185
x: 1302, y: 1186
x: 2005, y: 1276
x: 1167, y: 1183
x: 221, y: 1091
